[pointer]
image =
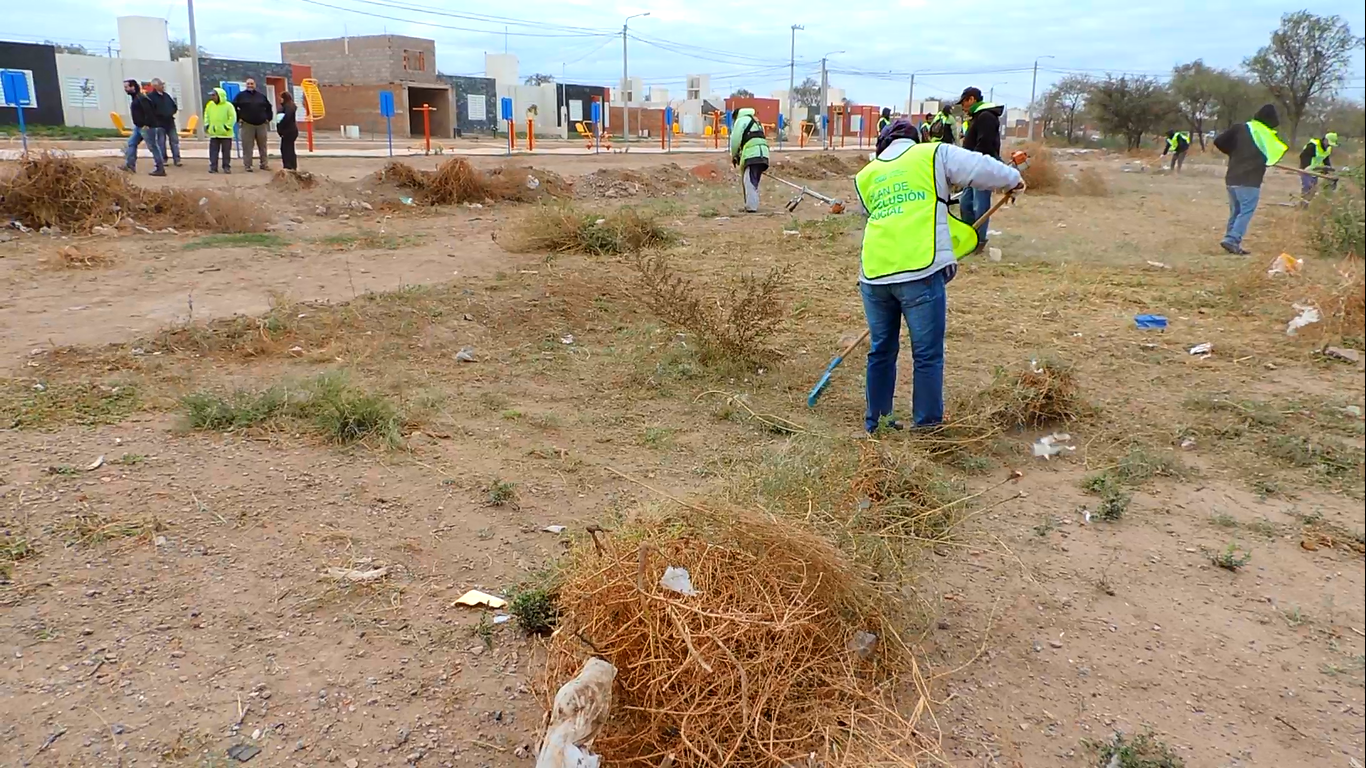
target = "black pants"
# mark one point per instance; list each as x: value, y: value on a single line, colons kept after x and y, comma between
x: 288, y: 156
x: 220, y: 147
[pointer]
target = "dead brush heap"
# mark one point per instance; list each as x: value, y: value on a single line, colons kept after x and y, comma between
x: 783, y: 651
x: 50, y: 190
x: 735, y: 325
x: 456, y: 181
x: 562, y: 229
x: 1041, y: 393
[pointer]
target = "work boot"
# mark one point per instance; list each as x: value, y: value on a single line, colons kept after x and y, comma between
x: 158, y: 172
x: 1230, y: 247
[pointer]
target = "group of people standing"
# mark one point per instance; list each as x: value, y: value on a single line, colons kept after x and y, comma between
x: 248, y: 116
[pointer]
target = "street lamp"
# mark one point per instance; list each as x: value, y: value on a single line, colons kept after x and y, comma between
x: 1032, y: 86
x: 626, y: 78
x: 792, y: 71
x: 825, y: 88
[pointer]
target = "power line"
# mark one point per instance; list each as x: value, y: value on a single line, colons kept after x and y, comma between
x: 503, y: 20
x: 448, y: 26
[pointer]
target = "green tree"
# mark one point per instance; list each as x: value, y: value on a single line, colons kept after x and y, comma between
x: 1194, y: 86
x: 742, y: 93
x: 1308, y: 58
x: 1130, y: 106
x: 180, y: 49
x: 1236, y: 98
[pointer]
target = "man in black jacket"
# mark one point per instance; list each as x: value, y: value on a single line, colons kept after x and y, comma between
x: 253, y: 114
x: 143, y: 112
x: 1251, y: 147
x: 981, y: 134
x: 166, y: 109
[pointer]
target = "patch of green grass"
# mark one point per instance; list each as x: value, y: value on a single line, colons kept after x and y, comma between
x: 239, y: 240
x: 708, y: 212
x: 129, y: 459
x: 1223, y: 520
x: 329, y: 403
x: 62, y: 132
x: 828, y: 227
x: 13, y: 549
x: 1231, y: 557
x: 1142, y: 751
x: 1132, y: 470
x: 1295, y: 617
x: 29, y: 405
x: 65, y: 470
x: 368, y: 241
x: 1113, y: 504
x: 501, y: 493
x: 535, y: 607
x: 1046, y: 526
x: 510, y: 414
x: 658, y: 437
x: 484, y: 629
x: 1331, y: 458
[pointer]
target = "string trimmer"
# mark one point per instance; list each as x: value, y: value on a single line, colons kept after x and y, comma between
x: 836, y: 205
x: 815, y: 393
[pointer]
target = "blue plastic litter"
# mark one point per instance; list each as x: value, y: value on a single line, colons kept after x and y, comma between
x: 1150, y: 322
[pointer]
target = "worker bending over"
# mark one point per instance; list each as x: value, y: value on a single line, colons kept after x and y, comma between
x: 749, y: 152
x: 911, y: 247
x: 1317, y: 156
x: 1178, y: 143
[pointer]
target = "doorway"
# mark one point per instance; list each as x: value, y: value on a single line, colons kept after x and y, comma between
x: 439, y: 99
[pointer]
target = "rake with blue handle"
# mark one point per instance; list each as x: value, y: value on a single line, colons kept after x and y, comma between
x: 1020, y: 160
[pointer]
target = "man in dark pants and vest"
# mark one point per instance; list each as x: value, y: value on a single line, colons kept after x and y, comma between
x: 1251, y: 147
x: 981, y: 134
x: 1178, y: 143
x: 911, y: 247
x: 885, y: 120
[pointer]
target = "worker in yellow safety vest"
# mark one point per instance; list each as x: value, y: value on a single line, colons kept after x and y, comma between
x: 1317, y: 156
x: 885, y: 120
x: 1252, y: 147
x: 911, y: 247
x: 1178, y: 144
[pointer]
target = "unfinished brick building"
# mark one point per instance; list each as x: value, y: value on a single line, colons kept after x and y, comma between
x: 351, y: 72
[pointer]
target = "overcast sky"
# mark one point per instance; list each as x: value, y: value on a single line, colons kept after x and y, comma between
x: 983, y: 43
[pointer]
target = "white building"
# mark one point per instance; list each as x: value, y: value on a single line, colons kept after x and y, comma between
x: 92, y: 86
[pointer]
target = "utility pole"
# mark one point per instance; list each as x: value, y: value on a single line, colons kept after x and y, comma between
x: 792, y: 73
x: 910, y: 100
x: 1033, y: 85
x: 626, y: 82
x: 194, y: 71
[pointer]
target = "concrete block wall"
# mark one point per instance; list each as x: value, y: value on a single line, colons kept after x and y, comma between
x: 359, y: 105
x: 462, y: 88
x: 365, y: 60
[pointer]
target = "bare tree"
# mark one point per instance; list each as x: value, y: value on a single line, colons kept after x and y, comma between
x: 1194, y: 85
x: 180, y: 49
x: 807, y: 93
x: 1308, y: 58
x: 742, y: 93
x: 539, y: 79
x: 1070, y: 95
x: 1130, y: 106
x: 67, y: 48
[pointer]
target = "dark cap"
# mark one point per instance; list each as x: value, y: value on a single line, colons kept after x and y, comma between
x: 975, y: 93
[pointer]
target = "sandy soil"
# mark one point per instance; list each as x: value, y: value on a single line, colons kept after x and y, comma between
x: 178, y: 603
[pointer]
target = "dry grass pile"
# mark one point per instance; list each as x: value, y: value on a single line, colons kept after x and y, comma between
x: 734, y: 325
x: 1041, y: 393
x: 292, y: 181
x: 75, y: 257
x: 1041, y: 175
x: 456, y: 181
x: 561, y: 229
x: 1091, y: 183
x: 1340, y: 295
x: 820, y: 166
x: 784, y: 651
x: 49, y: 190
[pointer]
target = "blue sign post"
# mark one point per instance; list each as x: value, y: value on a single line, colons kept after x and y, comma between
x: 505, y: 112
x: 669, y: 128
x: 597, y: 124
x: 781, y: 125
x: 232, y: 89
x: 15, y: 86
x: 386, y: 108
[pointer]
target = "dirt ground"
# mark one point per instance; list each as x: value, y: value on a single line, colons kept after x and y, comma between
x: 166, y: 592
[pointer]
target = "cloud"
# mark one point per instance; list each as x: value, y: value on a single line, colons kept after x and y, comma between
x: 984, y: 45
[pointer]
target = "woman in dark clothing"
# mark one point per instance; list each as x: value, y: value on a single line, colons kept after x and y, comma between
x: 288, y: 129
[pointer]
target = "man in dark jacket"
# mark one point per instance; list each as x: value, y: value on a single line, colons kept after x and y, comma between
x: 1178, y: 143
x: 1251, y: 147
x: 166, y: 109
x: 253, y: 113
x: 941, y: 126
x: 885, y: 119
x: 981, y: 134
x: 143, y: 112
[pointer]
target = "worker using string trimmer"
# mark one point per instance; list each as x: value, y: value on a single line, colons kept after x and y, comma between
x: 911, y: 247
x: 748, y: 151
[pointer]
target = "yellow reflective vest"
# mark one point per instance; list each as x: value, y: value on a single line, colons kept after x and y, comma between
x: 903, y: 208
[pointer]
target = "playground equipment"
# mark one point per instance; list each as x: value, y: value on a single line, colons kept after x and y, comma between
x: 313, y: 106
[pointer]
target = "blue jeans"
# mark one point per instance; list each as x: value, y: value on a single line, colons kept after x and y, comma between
x: 169, y: 136
x: 1242, y: 203
x: 924, y: 304
x: 972, y: 204
x: 145, y: 135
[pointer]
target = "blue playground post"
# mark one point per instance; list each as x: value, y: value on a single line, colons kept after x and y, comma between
x: 15, y: 86
x: 232, y: 89
x: 597, y: 125
x: 386, y: 108
x: 669, y: 128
